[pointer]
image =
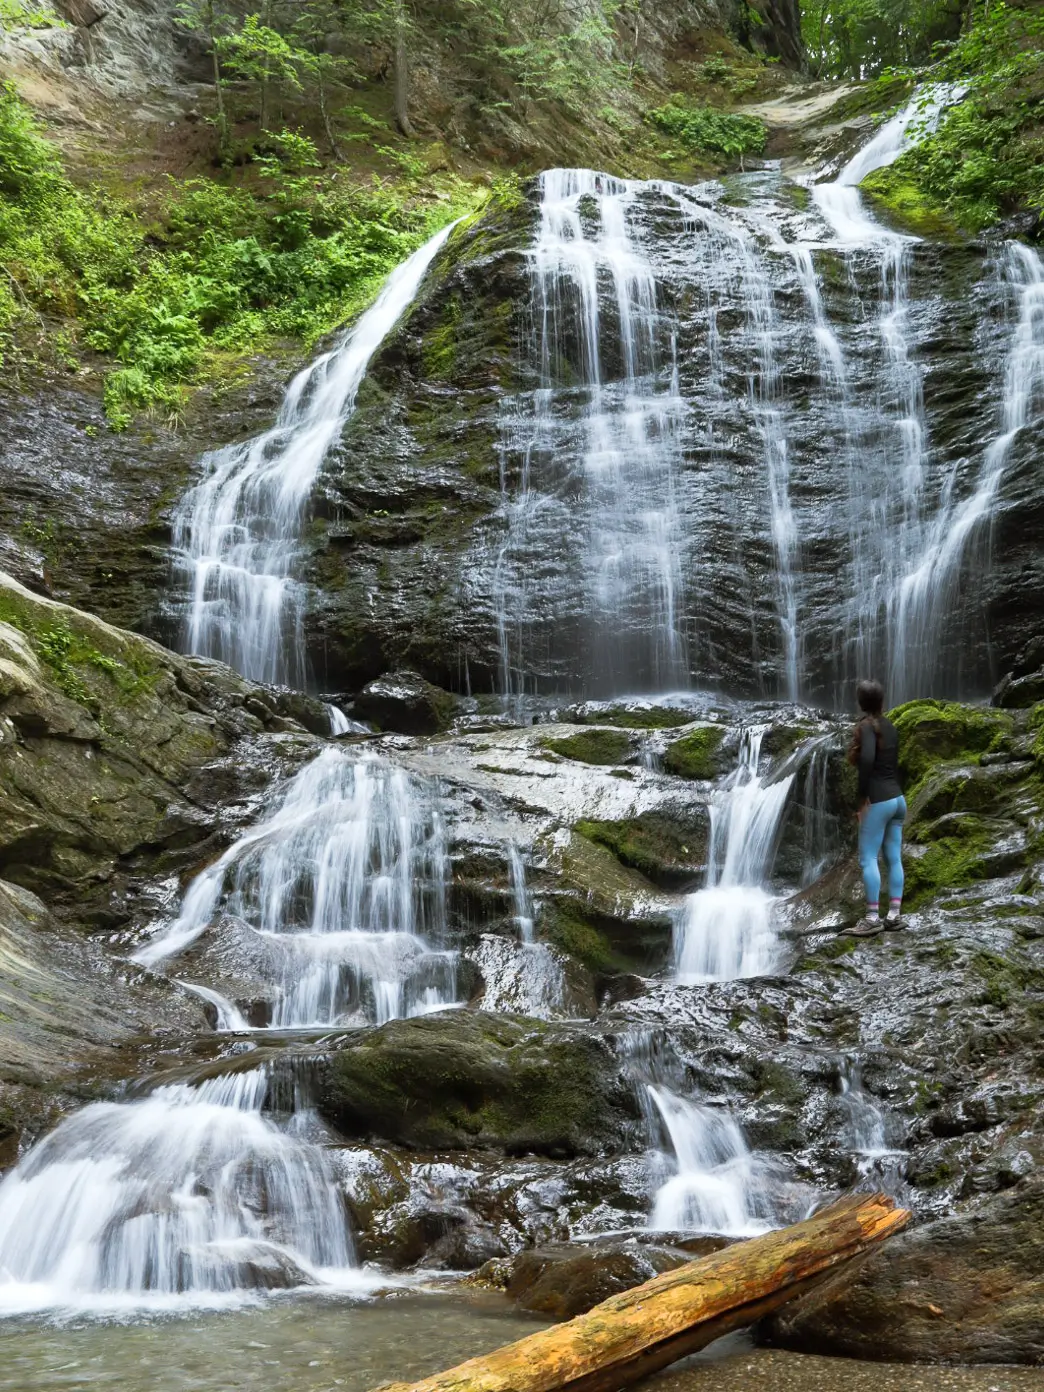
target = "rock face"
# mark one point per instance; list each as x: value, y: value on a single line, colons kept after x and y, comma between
x: 967, y: 1288
x: 104, y: 739
x: 420, y: 557
x: 479, y: 1080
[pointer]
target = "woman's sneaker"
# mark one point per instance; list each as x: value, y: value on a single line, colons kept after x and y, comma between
x: 894, y: 921
x: 865, y: 928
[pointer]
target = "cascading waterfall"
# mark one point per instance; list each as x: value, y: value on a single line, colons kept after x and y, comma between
x: 725, y: 930
x: 628, y: 531
x: 188, y: 1197
x: 719, y: 1186
x: 926, y: 592
x: 866, y: 1134
x: 236, y: 532
x: 524, y: 977
x: 345, y: 884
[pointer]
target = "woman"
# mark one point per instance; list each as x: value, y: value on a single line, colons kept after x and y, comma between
x: 874, y: 749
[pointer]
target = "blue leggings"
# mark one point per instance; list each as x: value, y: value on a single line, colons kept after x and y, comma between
x: 882, y: 826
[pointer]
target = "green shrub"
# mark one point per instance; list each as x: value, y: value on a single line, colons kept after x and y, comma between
x: 218, y: 268
x: 704, y: 130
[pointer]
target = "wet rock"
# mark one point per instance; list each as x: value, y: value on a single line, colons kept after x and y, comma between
x: 1020, y: 692
x: 404, y: 703
x: 104, y: 740
x: 699, y: 754
x: 966, y: 1288
x: 668, y: 846
x: 467, y: 1079
x: 569, y: 1280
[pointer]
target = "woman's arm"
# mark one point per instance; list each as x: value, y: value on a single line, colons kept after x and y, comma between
x: 867, y: 754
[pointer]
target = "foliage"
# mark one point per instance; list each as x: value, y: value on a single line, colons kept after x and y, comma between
x: 219, y: 267
x: 864, y: 38
x: 703, y: 130
x: 986, y: 159
x: 23, y: 14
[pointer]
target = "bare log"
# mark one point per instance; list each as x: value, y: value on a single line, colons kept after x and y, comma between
x: 653, y: 1325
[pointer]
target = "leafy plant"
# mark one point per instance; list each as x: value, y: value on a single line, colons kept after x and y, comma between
x: 702, y: 129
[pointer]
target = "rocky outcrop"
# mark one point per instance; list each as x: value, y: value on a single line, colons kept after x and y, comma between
x: 477, y: 1080
x: 967, y: 1288
x: 117, y: 758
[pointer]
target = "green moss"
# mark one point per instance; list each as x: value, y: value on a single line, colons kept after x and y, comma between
x: 652, y: 843
x: 949, y: 861
x: 655, y: 718
x: 1004, y: 978
x: 566, y: 927
x: 934, y: 732
x: 440, y: 343
x: 697, y: 754
x: 592, y: 746
x: 784, y: 739
x: 907, y: 205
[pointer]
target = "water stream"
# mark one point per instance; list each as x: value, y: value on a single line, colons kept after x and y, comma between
x: 236, y: 533
x: 725, y: 930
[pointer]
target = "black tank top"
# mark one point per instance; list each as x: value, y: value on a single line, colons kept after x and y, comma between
x: 879, y: 761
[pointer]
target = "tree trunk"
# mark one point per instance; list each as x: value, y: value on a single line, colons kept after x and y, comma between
x: 324, y: 111
x: 645, y: 1329
x: 402, y: 73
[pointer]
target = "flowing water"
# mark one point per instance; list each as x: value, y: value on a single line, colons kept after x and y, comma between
x: 344, y: 884
x: 725, y: 930
x: 719, y: 1186
x: 662, y: 509
x: 236, y: 532
x: 187, y: 1197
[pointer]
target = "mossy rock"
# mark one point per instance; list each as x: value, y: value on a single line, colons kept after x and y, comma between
x: 467, y: 1079
x: 405, y: 704
x: 893, y: 193
x: 669, y: 850
x: 697, y: 754
x: 959, y: 849
x: 595, y: 746
x: 933, y: 732
x: 634, y: 717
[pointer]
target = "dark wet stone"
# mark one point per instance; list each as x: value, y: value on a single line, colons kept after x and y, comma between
x: 405, y: 704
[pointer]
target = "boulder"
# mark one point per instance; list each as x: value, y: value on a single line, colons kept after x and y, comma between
x: 570, y: 1279
x: 966, y: 1288
x: 403, y: 703
x: 468, y: 1079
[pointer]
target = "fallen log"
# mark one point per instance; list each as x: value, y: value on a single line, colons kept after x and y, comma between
x: 647, y: 1328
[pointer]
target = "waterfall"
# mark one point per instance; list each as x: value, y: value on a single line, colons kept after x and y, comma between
x: 725, y: 930
x: 718, y: 1186
x: 345, y: 884
x: 613, y: 497
x: 188, y: 1197
x: 229, y: 1018
x: 866, y: 1133
x: 525, y: 978
x: 925, y: 595
x: 236, y: 532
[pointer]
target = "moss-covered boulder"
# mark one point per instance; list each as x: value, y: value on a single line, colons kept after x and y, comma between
x: 668, y: 846
x: 596, y: 746
x: 698, y: 754
x: 104, y: 739
x: 934, y: 732
x: 466, y: 1079
x: 566, y: 1280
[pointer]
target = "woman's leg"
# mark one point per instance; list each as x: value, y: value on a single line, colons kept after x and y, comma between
x: 893, y: 852
x: 871, y: 835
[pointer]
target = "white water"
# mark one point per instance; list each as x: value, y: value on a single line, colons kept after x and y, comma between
x: 236, y: 532
x: 719, y: 1186
x: 866, y: 1134
x: 189, y: 1197
x: 229, y: 1017
x: 726, y: 929
x: 923, y: 598
x: 595, y: 308
x: 841, y: 201
x: 345, y: 883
